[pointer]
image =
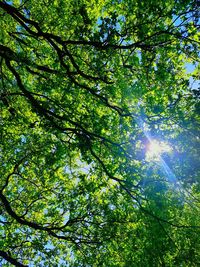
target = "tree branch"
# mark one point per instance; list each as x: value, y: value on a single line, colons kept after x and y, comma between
x: 8, y: 258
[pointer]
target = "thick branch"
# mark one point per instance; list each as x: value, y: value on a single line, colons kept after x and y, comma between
x: 13, y: 261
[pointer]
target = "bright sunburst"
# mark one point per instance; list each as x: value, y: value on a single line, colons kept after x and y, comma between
x: 156, y: 148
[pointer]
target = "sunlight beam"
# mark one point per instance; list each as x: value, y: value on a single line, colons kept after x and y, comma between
x: 156, y: 148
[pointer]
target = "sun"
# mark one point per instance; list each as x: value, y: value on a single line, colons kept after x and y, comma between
x: 156, y: 148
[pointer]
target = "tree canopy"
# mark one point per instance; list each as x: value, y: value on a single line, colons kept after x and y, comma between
x: 99, y: 133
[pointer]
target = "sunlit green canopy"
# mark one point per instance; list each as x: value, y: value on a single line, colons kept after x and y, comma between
x: 99, y: 133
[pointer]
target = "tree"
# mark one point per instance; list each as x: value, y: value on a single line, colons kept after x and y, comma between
x: 85, y: 87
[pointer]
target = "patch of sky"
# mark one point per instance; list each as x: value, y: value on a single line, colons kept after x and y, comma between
x: 194, y: 84
x: 190, y: 67
x: 2, y: 219
x: 17, y: 150
x: 139, y: 54
x: 23, y: 139
x: 66, y: 217
x: 80, y: 166
x: 9, y: 2
x: 112, y: 207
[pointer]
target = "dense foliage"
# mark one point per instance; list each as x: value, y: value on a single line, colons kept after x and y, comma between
x: 85, y: 87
